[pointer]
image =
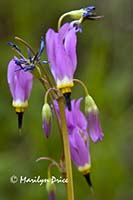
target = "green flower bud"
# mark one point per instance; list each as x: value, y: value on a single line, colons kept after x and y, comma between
x: 46, y: 119
x: 90, y: 104
x: 51, y: 189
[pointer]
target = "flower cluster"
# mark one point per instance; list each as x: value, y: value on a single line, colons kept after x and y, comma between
x: 78, y: 127
x: 62, y: 60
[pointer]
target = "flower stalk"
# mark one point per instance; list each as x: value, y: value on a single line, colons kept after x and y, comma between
x: 82, y: 84
x: 66, y: 147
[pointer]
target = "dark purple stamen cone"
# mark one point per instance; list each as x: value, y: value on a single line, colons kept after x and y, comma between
x: 87, y: 177
x: 20, y: 119
x: 68, y: 100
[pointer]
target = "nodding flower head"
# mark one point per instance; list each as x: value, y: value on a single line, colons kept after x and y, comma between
x: 78, y: 137
x: 20, y: 84
x: 61, y: 52
x: 91, y: 110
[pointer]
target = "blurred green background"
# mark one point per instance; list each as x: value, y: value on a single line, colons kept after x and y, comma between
x: 105, y: 50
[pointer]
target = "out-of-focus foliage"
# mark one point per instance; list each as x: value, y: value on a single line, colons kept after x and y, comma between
x: 105, y: 49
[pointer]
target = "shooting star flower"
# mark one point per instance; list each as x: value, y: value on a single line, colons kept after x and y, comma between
x: 20, y: 84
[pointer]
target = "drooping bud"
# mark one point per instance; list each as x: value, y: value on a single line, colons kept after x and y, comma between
x: 46, y: 119
x: 51, y: 189
x: 91, y: 111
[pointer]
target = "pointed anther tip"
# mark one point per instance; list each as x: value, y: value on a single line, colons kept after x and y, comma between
x: 68, y: 100
x: 95, y: 17
x: 88, y: 179
x: 20, y: 120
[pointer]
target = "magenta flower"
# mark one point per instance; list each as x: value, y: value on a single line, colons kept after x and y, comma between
x: 20, y: 84
x: 79, y: 140
x: 78, y: 137
x: 61, y: 52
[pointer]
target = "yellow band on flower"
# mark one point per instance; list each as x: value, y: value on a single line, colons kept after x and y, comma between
x: 19, y: 105
x: 65, y: 88
x: 19, y: 109
x: 85, y: 169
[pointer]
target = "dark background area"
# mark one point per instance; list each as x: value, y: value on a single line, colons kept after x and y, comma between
x: 105, y: 49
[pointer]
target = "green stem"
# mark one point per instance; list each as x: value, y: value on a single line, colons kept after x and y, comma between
x: 61, y: 18
x: 48, y: 93
x: 83, y: 85
x: 70, y: 190
x: 33, y: 52
x: 25, y: 43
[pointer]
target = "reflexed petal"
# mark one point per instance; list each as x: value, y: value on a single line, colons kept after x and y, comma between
x: 96, y: 133
x: 79, y: 148
x: 73, y: 150
x: 20, y: 82
x: 10, y: 76
x: 78, y: 116
x: 61, y: 51
x: 64, y: 30
x: 50, y: 48
x: 70, y: 47
x: 63, y: 62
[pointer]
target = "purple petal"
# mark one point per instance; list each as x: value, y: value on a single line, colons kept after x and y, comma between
x: 78, y: 116
x: 79, y: 148
x: 50, y: 48
x: 70, y: 47
x: 61, y: 51
x: 46, y: 127
x: 63, y: 61
x: 96, y: 133
x: 20, y: 82
x: 64, y: 30
x: 51, y: 195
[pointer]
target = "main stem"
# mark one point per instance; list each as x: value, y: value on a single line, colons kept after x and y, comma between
x: 70, y: 190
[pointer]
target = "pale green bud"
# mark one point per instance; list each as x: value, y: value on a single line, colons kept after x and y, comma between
x: 46, y: 112
x: 90, y: 104
x: 50, y: 186
x: 46, y: 119
x: 51, y: 189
